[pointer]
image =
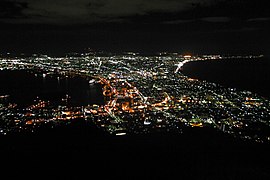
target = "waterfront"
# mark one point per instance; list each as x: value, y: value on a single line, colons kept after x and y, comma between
x: 142, y: 95
x: 243, y: 74
x: 175, y: 125
x: 24, y: 87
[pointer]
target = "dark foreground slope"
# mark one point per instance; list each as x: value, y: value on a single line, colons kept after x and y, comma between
x: 82, y: 151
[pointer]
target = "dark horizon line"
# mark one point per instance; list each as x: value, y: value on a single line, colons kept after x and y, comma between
x: 104, y: 52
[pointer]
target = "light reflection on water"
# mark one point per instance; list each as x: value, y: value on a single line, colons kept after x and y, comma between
x: 23, y: 87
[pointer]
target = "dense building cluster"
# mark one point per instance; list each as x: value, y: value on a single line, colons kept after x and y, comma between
x: 142, y: 94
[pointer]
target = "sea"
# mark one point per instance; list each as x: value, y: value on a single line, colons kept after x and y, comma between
x: 24, y: 87
x: 243, y: 74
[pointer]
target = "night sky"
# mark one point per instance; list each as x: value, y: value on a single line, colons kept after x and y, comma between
x: 196, y: 26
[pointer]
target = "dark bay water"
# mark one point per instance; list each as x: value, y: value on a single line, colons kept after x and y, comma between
x: 23, y: 87
x: 243, y: 74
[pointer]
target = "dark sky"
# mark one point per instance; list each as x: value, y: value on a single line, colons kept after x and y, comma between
x: 196, y: 26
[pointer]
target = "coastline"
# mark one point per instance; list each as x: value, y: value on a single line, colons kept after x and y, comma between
x: 226, y: 72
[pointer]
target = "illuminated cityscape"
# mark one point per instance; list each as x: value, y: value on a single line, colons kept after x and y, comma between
x: 142, y: 95
x: 141, y: 89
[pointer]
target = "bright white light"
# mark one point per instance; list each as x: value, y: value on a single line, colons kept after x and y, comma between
x: 120, y: 134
